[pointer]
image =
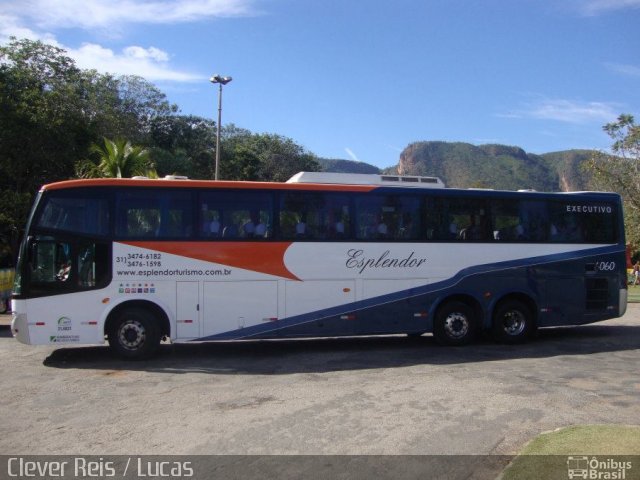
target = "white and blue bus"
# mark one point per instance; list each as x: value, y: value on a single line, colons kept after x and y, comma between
x: 133, y: 261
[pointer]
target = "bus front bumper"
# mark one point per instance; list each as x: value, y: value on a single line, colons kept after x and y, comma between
x: 20, y: 328
x: 623, y: 302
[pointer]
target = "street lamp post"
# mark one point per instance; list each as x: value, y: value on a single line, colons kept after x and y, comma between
x: 220, y: 80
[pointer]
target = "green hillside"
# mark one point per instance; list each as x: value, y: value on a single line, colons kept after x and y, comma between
x: 569, y: 166
x: 494, y: 166
x: 464, y: 165
x: 346, y: 166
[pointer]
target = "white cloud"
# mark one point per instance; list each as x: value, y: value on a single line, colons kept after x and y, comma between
x: 112, y: 14
x: 152, y: 53
x: 596, y: 7
x: 31, y: 18
x: 149, y: 63
x: 573, y: 112
x: 631, y: 70
x: 567, y: 111
x: 11, y: 26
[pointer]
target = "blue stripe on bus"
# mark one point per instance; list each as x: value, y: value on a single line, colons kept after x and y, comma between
x: 354, y: 307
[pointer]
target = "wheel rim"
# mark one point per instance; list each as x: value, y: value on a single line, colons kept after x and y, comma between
x: 132, y: 334
x: 456, y: 325
x: 514, y: 322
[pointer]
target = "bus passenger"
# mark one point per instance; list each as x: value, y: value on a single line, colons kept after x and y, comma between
x: 382, y: 230
x: 249, y: 228
x: 261, y: 230
x: 472, y: 231
x: 215, y: 227
x: 301, y: 227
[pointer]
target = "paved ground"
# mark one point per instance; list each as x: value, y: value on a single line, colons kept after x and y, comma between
x: 390, y: 395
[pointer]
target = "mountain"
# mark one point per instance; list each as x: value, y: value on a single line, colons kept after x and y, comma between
x: 569, y: 166
x: 346, y: 166
x: 500, y: 167
x: 464, y: 165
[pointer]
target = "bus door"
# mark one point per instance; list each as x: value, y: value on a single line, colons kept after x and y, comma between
x: 188, y: 309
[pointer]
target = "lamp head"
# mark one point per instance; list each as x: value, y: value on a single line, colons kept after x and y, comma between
x: 220, y: 79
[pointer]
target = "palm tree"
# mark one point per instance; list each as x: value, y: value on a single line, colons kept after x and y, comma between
x: 116, y: 159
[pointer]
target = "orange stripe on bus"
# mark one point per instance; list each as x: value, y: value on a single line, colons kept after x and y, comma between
x: 258, y: 257
x: 200, y: 184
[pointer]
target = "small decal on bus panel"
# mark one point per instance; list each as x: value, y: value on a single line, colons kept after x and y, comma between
x: 129, y: 288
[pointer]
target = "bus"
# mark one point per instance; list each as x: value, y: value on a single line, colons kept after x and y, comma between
x: 133, y: 262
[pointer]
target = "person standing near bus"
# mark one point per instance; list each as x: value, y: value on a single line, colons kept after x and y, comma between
x: 636, y: 273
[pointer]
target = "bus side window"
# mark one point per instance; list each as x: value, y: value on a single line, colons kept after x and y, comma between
x: 506, y: 222
x: 86, y: 266
x: 388, y: 217
x: 142, y: 222
x: 579, y: 222
x: 334, y: 217
x: 235, y: 215
x: 458, y: 219
x: 93, y: 265
x: 50, y: 261
x: 300, y: 215
x: 436, y: 222
x: 210, y: 225
x: 154, y: 213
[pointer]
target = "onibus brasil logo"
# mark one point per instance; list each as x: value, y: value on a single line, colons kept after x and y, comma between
x: 593, y: 468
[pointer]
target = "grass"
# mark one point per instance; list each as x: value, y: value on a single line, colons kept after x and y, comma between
x: 634, y: 294
x: 546, y: 455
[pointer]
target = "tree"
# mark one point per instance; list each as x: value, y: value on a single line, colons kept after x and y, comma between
x: 116, y: 159
x: 283, y: 158
x: 619, y: 171
x: 268, y: 157
x: 51, y: 112
x: 42, y: 127
x: 183, y: 145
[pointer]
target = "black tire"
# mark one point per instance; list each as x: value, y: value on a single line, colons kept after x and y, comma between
x: 513, y: 322
x: 455, y: 324
x: 134, y: 334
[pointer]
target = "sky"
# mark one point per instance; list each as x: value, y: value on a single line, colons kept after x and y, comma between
x: 362, y: 79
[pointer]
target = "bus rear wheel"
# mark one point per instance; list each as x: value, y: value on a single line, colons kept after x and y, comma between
x: 512, y: 322
x: 134, y: 334
x: 454, y: 324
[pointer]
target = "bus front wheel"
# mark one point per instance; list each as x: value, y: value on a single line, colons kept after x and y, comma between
x: 134, y: 334
x: 512, y: 322
x: 454, y: 324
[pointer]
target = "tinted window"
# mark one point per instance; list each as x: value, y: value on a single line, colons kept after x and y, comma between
x: 152, y: 213
x: 464, y: 219
x: 236, y: 215
x: 323, y: 216
x: 63, y: 266
x: 75, y: 212
x: 387, y: 217
x: 520, y: 220
x: 582, y: 222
